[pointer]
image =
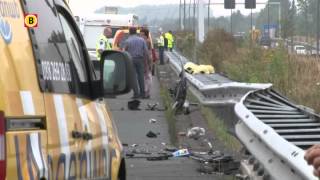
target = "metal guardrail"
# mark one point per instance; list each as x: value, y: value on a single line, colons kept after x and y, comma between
x: 213, y: 89
x: 274, y: 130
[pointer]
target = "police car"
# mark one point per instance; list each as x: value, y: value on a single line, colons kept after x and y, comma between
x: 54, y: 123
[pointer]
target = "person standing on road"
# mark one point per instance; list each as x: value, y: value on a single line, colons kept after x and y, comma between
x: 169, y: 37
x: 161, y: 47
x: 103, y: 42
x: 137, y: 47
x: 144, y: 33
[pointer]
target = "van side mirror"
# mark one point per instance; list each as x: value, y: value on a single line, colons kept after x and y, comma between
x: 116, y: 73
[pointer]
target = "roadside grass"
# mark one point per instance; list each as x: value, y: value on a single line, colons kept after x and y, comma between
x: 297, y: 77
x: 169, y: 113
x: 220, y: 129
x: 217, y: 125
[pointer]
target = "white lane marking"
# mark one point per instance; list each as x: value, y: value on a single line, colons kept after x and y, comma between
x: 35, y: 145
x: 63, y: 130
x: 85, y: 125
x: 27, y: 103
x: 104, y: 132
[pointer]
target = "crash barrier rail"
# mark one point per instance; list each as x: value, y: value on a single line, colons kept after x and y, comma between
x: 274, y: 130
x: 213, y: 89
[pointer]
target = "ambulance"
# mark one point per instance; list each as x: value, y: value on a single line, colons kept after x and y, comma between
x: 92, y: 26
x: 54, y: 121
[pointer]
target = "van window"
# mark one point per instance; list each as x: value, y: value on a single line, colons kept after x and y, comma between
x: 58, y: 55
x: 92, y: 33
x: 300, y: 48
x: 74, y: 48
x: 50, y: 48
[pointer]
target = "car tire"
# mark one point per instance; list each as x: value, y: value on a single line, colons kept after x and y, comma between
x: 122, y: 171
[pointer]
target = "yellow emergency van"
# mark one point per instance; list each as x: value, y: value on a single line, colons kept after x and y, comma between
x: 54, y: 123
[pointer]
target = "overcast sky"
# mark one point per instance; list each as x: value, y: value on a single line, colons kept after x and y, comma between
x: 88, y: 6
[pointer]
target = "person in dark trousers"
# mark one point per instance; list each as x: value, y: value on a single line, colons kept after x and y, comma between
x: 137, y: 47
x: 161, y: 47
x: 144, y: 33
x: 165, y: 42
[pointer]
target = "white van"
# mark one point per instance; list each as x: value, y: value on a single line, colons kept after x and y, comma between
x: 300, y: 50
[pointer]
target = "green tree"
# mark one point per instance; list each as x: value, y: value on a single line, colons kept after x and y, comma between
x: 304, y: 9
x: 285, y: 18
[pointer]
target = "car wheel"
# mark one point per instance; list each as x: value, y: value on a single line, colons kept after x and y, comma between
x: 122, y: 171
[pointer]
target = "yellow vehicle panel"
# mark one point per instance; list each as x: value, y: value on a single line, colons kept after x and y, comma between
x: 75, y: 138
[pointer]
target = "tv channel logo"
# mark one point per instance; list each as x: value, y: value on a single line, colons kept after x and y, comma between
x: 30, y: 20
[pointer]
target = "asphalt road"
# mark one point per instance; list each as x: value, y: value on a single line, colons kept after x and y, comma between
x: 133, y: 127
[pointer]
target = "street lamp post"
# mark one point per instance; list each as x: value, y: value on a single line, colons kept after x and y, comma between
x: 180, y: 23
x: 231, y: 22
x: 268, y: 19
x: 318, y: 28
x: 208, y: 16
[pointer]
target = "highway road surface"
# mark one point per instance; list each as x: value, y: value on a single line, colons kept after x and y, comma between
x: 133, y: 127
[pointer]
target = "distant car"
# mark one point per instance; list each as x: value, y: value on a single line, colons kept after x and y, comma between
x: 313, y: 52
x: 300, y: 50
x: 265, y: 41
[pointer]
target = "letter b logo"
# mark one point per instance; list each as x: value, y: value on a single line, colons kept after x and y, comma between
x: 31, y: 20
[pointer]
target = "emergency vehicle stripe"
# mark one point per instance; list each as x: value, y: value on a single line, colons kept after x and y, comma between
x: 85, y: 123
x: 103, y: 126
x: 28, y: 109
x: 36, y: 152
x: 104, y: 133
x: 27, y: 103
x: 63, y: 130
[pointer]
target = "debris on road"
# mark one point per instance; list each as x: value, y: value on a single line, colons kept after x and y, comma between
x: 216, y: 162
x: 158, y: 158
x: 152, y: 107
x: 134, y: 105
x: 196, y: 133
x: 182, y: 133
x: 155, y: 107
x: 152, y: 121
x: 181, y: 153
x: 170, y: 149
x: 210, y: 162
x: 141, y: 151
x: 151, y: 134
